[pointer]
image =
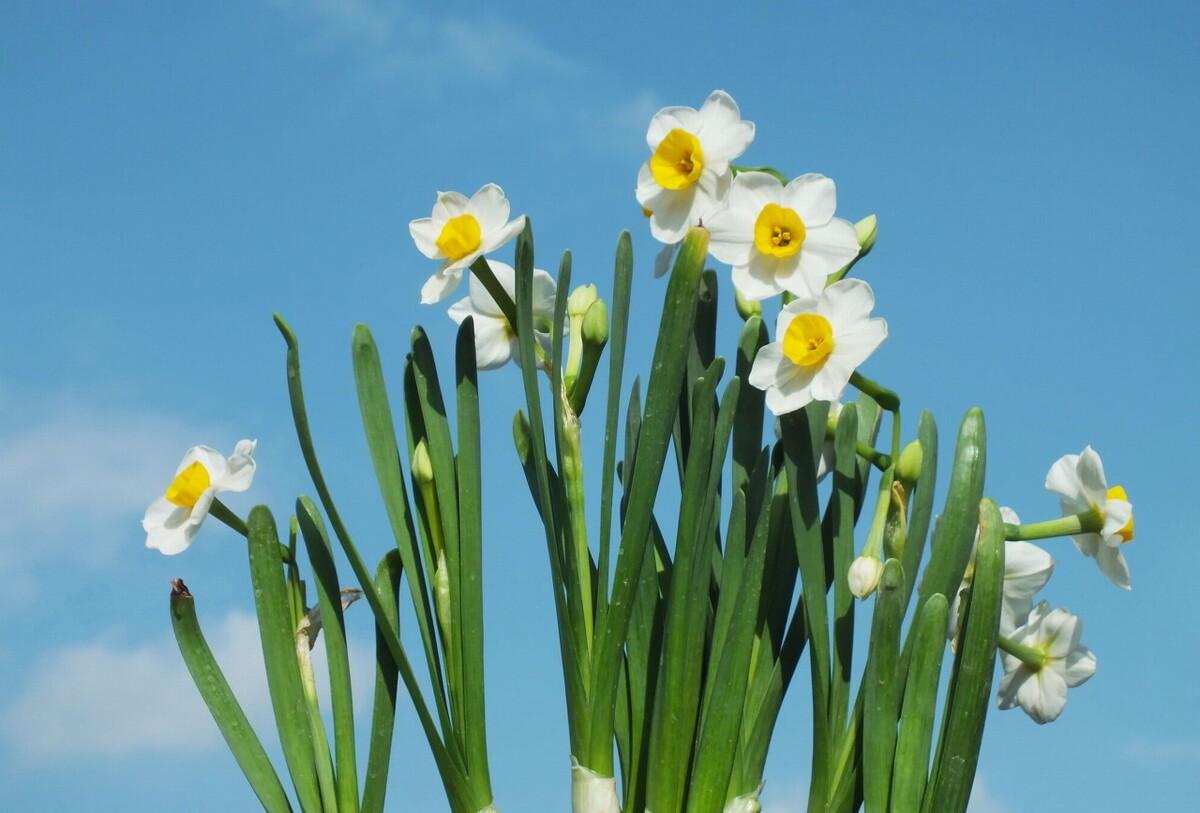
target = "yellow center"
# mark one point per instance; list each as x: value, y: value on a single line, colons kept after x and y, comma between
x: 188, y: 485
x: 459, y: 237
x: 808, y: 340
x: 1126, y: 532
x: 778, y: 231
x: 677, y: 161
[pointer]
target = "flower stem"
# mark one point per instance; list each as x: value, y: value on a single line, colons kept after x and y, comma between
x: 886, y: 398
x: 221, y: 511
x: 504, y: 301
x: 1035, y: 659
x: 1087, y: 522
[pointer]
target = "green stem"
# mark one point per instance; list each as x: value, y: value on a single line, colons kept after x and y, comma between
x: 221, y: 511
x: 1087, y: 522
x: 504, y: 301
x: 572, y: 477
x: 1035, y: 659
x: 873, y: 456
x: 886, y: 398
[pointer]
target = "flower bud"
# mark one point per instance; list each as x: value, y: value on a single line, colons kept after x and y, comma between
x: 581, y: 299
x: 908, y: 467
x: 422, y: 466
x: 866, y: 229
x: 746, y: 307
x: 595, y: 323
x: 864, y: 575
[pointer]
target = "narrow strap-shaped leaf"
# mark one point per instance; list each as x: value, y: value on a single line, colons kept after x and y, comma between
x: 279, y: 656
x: 470, y: 534
x: 333, y: 625
x: 747, y: 427
x: 380, y: 432
x: 622, y: 285
x: 662, y: 404
x: 383, y: 715
x: 882, y: 700
x: 911, y: 767
x: 844, y: 502
x: 920, y: 509
x: 971, y: 682
x: 226, y: 711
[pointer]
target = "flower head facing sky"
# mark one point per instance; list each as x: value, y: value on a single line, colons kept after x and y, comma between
x: 1054, y: 636
x: 688, y: 174
x: 1079, y: 482
x: 781, y: 238
x: 172, y: 521
x: 459, y: 231
x: 495, y: 340
x: 819, y: 342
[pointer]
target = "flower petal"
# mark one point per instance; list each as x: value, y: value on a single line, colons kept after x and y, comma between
x: 494, y: 239
x: 722, y: 132
x: 1112, y: 564
x: 1091, y: 476
x: 756, y: 279
x: 1078, y: 666
x: 448, y: 205
x: 814, y: 197
x: 440, y: 285
x: 490, y: 207
x: 425, y: 233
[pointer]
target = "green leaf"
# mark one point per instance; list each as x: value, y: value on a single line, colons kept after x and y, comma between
x: 333, y: 625
x: 920, y: 699
x: 226, y: 712
x: 882, y: 695
x: 279, y: 656
x: 971, y: 681
x: 747, y: 428
x: 383, y: 716
x: 920, y: 503
x: 662, y: 403
x: 844, y: 503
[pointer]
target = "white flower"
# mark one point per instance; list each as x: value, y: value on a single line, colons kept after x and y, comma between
x: 1078, y: 480
x: 819, y: 342
x: 1042, y: 692
x: 171, y: 521
x: 863, y: 575
x: 1027, y: 568
x: 688, y: 173
x: 459, y: 232
x: 781, y: 238
x: 495, y: 340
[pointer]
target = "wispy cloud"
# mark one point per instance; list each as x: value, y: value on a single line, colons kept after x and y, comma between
x: 393, y: 40
x: 110, y: 698
x: 1161, y: 752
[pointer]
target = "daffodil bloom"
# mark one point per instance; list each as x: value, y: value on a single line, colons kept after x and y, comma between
x: 1042, y: 659
x: 1027, y: 568
x: 819, y: 342
x: 171, y: 521
x: 495, y: 340
x: 1079, y: 482
x: 460, y: 231
x: 781, y: 238
x: 688, y: 173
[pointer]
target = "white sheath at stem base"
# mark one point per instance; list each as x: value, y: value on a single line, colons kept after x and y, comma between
x: 490, y: 809
x: 591, y: 792
x: 746, y: 803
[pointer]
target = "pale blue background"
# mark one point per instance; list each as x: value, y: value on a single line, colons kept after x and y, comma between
x: 172, y: 173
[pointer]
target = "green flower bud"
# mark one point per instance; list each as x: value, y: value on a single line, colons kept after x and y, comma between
x: 422, y: 466
x: 581, y: 299
x: 746, y: 307
x: 595, y: 323
x: 908, y: 468
x: 866, y: 229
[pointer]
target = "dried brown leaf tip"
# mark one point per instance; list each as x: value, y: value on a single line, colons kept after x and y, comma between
x: 179, y: 589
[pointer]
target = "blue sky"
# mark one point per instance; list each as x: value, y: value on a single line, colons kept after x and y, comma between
x: 170, y: 176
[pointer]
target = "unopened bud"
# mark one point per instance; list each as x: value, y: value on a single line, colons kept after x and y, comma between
x: 595, y: 323
x: 866, y: 229
x: 746, y: 307
x: 422, y: 466
x: 864, y: 575
x: 908, y: 467
x: 581, y: 299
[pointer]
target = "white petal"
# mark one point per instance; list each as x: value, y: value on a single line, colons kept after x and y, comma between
x: 1117, y: 514
x: 1091, y: 476
x: 756, y: 279
x: 490, y: 207
x: 789, y: 275
x: 1027, y: 568
x: 460, y: 310
x: 493, y: 342
x: 1063, y: 480
x: 1044, y: 697
x: 851, y: 349
x: 768, y: 366
x: 239, y: 472
x: 731, y: 234
x: 1060, y: 632
x: 1088, y: 544
x: 828, y: 249
x: 847, y: 303
x: 481, y: 301
x: 782, y: 400
x: 1078, y: 666
x: 829, y: 382
x: 1012, y: 682
x: 722, y: 132
x: 672, y: 214
x: 448, y: 205
x: 668, y: 119
x: 751, y: 191
x: 1112, y: 564
x: 664, y: 259
x: 814, y: 197
x: 494, y: 239
x: 711, y: 193
x: 440, y: 285
x: 425, y: 233
x: 799, y: 305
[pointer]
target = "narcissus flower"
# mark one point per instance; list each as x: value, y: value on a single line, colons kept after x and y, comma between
x: 1051, y: 659
x: 688, y: 173
x: 171, y: 521
x: 819, y: 342
x: 781, y: 238
x: 495, y: 340
x: 1078, y: 480
x: 461, y: 230
x: 1027, y: 568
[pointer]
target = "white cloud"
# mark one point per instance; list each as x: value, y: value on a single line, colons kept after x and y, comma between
x: 393, y: 39
x: 110, y: 699
x: 982, y: 799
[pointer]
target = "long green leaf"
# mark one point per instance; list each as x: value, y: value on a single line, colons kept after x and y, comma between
x: 383, y: 715
x: 911, y: 768
x: 226, y: 712
x: 279, y: 656
x: 882, y: 697
x: 333, y: 625
x: 844, y: 508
